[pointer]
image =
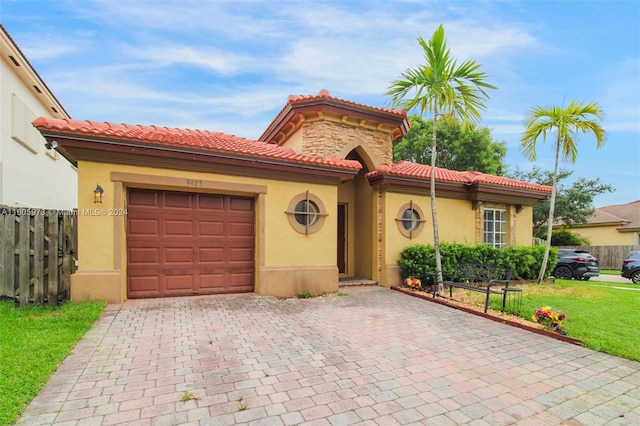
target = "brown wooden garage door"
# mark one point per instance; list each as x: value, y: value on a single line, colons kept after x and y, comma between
x: 181, y: 243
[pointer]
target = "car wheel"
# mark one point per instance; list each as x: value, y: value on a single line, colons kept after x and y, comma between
x: 635, y: 277
x: 563, y: 273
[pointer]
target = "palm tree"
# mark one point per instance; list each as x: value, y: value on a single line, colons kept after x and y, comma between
x: 442, y: 87
x: 566, y: 122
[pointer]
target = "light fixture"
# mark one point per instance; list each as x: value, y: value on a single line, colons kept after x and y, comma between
x: 51, y: 145
x: 97, y: 194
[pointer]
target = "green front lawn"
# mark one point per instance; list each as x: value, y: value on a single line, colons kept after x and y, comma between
x: 34, y: 342
x: 603, y: 315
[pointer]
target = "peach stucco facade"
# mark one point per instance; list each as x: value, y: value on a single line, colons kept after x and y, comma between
x: 334, y: 154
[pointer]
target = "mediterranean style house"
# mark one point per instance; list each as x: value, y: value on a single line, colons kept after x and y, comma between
x: 316, y: 199
x: 30, y: 175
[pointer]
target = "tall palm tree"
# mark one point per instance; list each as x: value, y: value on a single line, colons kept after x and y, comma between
x: 566, y: 122
x: 442, y: 87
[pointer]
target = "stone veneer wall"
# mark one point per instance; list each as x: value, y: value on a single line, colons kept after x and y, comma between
x: 329, y: 139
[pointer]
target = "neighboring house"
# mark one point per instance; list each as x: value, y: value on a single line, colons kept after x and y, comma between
x: 314, y: 200
x: 616, y: 225
x: 30, y: 174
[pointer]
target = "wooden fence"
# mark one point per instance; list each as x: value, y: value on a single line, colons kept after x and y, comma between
x: 609, y: 257
x: 37, y: 254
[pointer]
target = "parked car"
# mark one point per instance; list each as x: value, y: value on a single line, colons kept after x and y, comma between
x: 578, y: 264
x: 631, y: 267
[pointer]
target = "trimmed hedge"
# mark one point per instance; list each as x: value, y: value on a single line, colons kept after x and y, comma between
x: 419, y: 260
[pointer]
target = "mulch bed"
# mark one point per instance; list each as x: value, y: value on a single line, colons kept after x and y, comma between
x: 497, y: 316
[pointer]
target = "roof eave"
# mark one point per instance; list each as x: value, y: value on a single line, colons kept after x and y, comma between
x: 67, y: 142
x: 476, y: 191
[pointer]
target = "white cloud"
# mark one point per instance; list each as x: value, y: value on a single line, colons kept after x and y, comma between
x: 226, y: 63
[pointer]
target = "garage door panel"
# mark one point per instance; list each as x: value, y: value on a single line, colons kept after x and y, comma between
x: 211, y: 202
x: 212, y: 281
x: 174, y: 255
x: 149, y: 227
x: 211, y: 228
x: 144, y: 284
x: 180, y: 283
x: 187, y: 243
x: 143, y: 199
x: 241, y: 205
x: 242, y: 282
x: 174, y: 227
x: 144, y: 255
x: 240, y: 255
x: 240, y: 229
x: 211, y: 255
x: 178, y: 200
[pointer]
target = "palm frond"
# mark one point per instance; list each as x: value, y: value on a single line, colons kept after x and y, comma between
x: 441, y: 83
x: 567, y: 122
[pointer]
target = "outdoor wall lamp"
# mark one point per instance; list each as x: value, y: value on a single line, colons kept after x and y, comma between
x: 97, y: 194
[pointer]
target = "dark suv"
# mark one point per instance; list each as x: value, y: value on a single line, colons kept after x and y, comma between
x: 578, y: 264
x: 631, y: 267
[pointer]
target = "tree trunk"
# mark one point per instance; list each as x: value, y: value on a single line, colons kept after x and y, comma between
x: 434, y: 213
x: 552, y: 208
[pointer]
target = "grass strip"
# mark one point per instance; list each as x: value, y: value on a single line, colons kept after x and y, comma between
x: 604, y: 315
x: 35, y: 340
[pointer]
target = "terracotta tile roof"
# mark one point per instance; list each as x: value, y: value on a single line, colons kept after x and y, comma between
x: 422, y: 171
x: 299, y: 100
x: 197, y: 140
x: 324, y: 94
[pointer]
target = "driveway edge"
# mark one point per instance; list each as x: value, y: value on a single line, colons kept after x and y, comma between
x: 441, y: 301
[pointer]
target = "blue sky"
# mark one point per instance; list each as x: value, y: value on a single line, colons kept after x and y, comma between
x: 230, y: 66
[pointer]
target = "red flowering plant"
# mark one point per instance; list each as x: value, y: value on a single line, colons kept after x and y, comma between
x: 550, y: 318
x: 413, y: 283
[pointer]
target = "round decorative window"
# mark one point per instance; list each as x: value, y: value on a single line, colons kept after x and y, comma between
x: 410, y: 220
x: 306, y: 213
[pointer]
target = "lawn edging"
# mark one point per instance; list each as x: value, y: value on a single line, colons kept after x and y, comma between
x: 444, y: 302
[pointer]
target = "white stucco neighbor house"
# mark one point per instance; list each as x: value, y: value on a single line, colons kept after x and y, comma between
x: 31, y: 175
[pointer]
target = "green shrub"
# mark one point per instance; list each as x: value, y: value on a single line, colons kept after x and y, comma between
x: 419, y: 260
x: 567, y: 238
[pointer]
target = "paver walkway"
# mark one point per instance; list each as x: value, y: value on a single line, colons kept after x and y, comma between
x: 375, y: 357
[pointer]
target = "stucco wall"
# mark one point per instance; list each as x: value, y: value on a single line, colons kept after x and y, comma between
x: 458, y: 222
x: 280, y: 250
x: 606, y: 235
x: 523, y: 227
x: 41, y: 179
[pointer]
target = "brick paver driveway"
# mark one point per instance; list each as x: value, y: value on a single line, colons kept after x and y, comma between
x: 375, y: 356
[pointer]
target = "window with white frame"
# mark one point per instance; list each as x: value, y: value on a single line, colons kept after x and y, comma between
x: 495, y: 228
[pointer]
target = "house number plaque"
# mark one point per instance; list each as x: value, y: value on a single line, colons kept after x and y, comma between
x: 196, y: 183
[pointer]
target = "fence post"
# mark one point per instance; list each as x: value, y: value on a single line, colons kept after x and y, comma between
x: 67, y: 256
x: 24, y: 277
x: 38, y: 258
x: 9, y: 255
x: 52, y: 259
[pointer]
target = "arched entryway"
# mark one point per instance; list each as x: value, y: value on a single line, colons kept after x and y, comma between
x: 357, y: 223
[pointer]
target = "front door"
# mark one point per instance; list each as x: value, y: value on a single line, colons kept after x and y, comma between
x: 342, y: 238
